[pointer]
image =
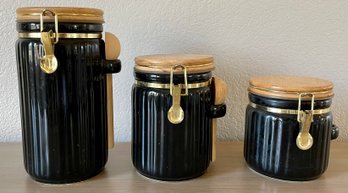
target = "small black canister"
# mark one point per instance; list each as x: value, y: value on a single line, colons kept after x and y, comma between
x: 173, y: 104
x: 62, y: 72
x: 288, y: 126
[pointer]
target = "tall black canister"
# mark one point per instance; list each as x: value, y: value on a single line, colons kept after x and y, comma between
x: 62, y: 73
x: 288, y: 126
x: 174, y: 103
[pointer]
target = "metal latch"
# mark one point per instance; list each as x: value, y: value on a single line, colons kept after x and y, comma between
x: 49, y: 63
x: 175, y: 113
x: 304, y: 139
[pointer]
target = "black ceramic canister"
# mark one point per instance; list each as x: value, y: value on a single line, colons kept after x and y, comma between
x: 288, y: 126
x: 62, y: 73
x: 173, y: 110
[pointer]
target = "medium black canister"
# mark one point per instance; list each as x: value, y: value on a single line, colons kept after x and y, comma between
x: 173, y: 106
x: 62, y: 73
x: 288, y: 126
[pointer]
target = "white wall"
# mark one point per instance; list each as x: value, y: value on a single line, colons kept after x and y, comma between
x: 246, y: 37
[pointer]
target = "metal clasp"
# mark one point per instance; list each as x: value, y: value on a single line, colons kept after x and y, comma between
x: 49, y: 63
x: 304, y: 139
x: 175, y: 113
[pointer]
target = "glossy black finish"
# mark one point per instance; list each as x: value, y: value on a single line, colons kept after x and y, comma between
x: 217, y: 111
x: 177, y: 79
x: 335, y: 132
x: 165, y: 151
x: 270, y: 141
x: 64, y: 116
x: 288, y: 104
x: 63, y: 27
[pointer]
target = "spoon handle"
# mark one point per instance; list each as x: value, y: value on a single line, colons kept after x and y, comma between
x: 175, y: 113
x: 112, y: 51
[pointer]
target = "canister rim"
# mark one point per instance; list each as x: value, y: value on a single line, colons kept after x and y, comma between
x: 289, y: 87
x: 162, y: 63
x: 66, y: 14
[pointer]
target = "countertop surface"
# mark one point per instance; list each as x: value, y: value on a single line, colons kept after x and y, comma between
x: 228, y: 174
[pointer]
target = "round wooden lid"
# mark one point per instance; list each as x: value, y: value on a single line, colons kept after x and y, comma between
x: 162, y: 63
x: 289, y: 87
x: 65, y: 14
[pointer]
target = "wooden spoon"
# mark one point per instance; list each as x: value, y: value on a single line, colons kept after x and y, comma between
x: 112, y: 51
x: 219, y: 96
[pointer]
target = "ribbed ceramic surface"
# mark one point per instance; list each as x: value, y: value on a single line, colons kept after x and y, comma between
x: 270, y: 145
x: 64, y: 113
x: 166, y: 151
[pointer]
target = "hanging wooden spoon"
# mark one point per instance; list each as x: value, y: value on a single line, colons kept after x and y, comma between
x: 219, y: 96
x: 112, y: 51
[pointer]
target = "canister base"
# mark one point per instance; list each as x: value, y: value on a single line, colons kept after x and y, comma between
x: 170, y: 179
x: 66, y: 181
x: 278, y: 177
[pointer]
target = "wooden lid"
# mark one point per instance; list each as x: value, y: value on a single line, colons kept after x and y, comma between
x: 162, y: 63
x: 289, y: 87
x: 65, y: 14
